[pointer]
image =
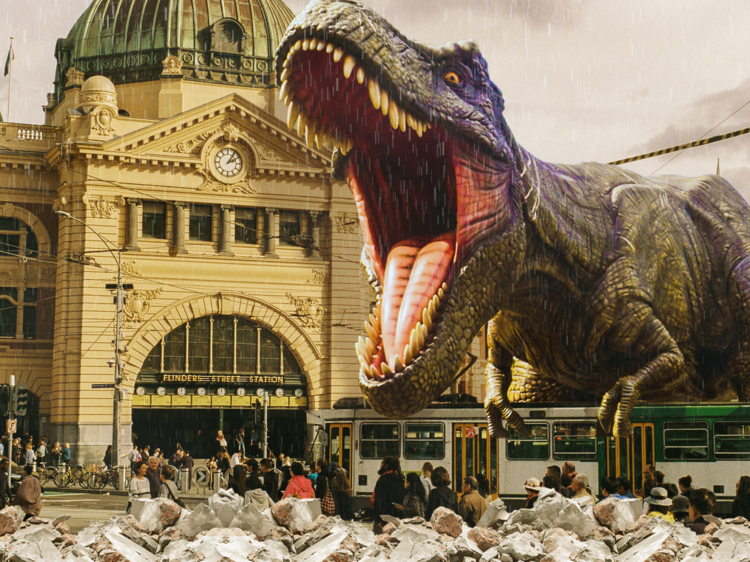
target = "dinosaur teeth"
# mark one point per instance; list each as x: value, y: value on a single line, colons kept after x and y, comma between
x: 397, y: 365
x: 374, y: 89
x: 338, y: 52
x: 374, y: 373
x: 408, y: 359
x: 330, y: 47
x: 313, y: 44
x: 371, y: 332
x: 402, y: 120
x: 393, y: 115
x: 426, y: 319
x: 322, y: 45
x: 285, y: 90
x: 387, y: 372
x: 441, y: 293
x: 305, y: 44
x: 310, y: 132
x: 286, y: 73
x: 294, y: 110
x: 371, y: 347
x: 349, y: 64
x: 384, y: 101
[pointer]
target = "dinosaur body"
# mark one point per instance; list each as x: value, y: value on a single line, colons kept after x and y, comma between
x: 591, y: 277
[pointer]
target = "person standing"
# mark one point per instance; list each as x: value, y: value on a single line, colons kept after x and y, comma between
x: 168, y: 488
x: 237, y: 481
x: 189, y: 463
x: 389, y: 491
x: 55, y: 454
x: 152, y: 475
x: 254, y: 476
x: 441, y: 494
x: 221, y: 442
x: 299, y: 486
x: 133, y: 457
x: 741, y: 503
x: 270, y: 479
x: 29, y: 456
x: 532, y: 487
x: 471, y: 507
x: 426, y: 478
x: 41, y: 452
x: 415, y: 499
x: 66, y: 453
x: 108, y: 457
x: 343, y: 499
x: 239, y: 442
x: 145, y: 453
x: 140, y: 487
x: 29, y: 495
x: 4, y: 487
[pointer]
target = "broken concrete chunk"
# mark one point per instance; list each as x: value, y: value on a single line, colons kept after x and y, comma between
x: 494, y: 514
x: 617, y: 514
x: 159, y: 513
x: 10, y: 519
x: 225, y: 505
x: 252, y: 520
x: 202, y: 518
x: 521, y: 547
x: 444, y: 520
x: 484, y: 538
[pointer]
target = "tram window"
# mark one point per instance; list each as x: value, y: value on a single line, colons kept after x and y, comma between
x: 732, y: 440
x: 379, y: 440
x: 424, y: 441
x: 686, y: 441
x: 534, y: 447
x: 574, y: 440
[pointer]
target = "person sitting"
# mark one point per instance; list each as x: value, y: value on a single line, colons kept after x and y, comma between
x: 702, y: 502
x: 626, y: 488
x: 471, y: 507
x: 299, y: 486
x: 681, y: 509
x: 532, y: 486
x: 440, y: 495
x: 657, y: 504
x: 581, y: 493
x: 29, y: 494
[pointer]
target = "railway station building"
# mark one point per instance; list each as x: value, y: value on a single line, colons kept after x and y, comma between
x: 165, y: 156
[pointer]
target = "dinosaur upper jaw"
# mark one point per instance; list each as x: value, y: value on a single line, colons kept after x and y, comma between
x: 424, y: 206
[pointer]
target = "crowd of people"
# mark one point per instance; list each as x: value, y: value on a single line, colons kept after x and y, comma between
x: 679, y: 502
x: 25, y: 452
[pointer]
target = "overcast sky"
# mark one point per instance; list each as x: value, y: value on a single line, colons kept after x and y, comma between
x: 590, y: 80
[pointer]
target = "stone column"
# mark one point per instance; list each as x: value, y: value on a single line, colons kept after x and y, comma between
x: 178, y: 228
x: 315, y: 219
x: 271, y: 234
x: 131, y: 234
x: 225, y: 242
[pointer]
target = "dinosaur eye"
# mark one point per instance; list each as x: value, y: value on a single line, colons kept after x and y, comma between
x: 452, y: 78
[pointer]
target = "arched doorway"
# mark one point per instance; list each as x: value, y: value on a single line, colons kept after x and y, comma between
x: 211, y: 373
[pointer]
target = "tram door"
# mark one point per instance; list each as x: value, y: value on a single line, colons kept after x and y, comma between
x: 474, y: 452
x: 340, y: 445
x: 629, y: 456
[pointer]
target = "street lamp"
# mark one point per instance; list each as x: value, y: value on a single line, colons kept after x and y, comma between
x: 118, y: 347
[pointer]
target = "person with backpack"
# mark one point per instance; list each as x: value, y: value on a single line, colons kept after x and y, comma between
x: 168, y: 488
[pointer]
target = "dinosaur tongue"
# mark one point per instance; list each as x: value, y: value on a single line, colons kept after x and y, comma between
x: 414, y: 271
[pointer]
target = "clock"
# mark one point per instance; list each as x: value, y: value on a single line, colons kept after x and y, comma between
x: 140, y: 391
x: 298, y: 393
x: 201, y: 391
x: 161, y: 391
x: 181, y: 391
x: 279, y: 392
x: 221, y: 391
x: 259, y: 393
x: 228, y: 162
x: 240, y: 392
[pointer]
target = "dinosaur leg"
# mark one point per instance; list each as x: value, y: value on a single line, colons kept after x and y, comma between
x: 739, y: 366
x: 530, y: 385
x: 498, y: 376
x: 645, y: 337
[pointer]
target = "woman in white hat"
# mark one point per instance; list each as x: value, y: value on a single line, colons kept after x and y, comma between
x: 532, y: 486
x: 657, y: 504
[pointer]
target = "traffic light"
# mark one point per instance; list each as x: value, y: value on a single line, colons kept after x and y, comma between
x: 22, y: 399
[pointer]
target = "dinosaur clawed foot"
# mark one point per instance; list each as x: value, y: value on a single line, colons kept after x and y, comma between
x: 614, y: 411
x: 497, y: 410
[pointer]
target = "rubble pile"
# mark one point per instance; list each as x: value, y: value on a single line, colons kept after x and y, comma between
x: 231, y: 528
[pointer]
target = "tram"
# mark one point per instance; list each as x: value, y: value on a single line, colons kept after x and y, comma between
x: 710, y: 442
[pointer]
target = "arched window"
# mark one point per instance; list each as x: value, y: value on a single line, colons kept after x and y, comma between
x: 17, y: 301
x: 222, y: 346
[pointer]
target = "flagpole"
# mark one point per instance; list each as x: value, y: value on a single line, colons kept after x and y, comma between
x: 10, y: 77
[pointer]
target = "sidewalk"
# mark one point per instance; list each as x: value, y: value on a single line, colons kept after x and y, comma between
x: 194, y: 494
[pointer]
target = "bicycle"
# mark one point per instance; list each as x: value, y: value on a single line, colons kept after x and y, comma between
x: 46, y: 473
x: 111, y: 477
x: 71, y: 477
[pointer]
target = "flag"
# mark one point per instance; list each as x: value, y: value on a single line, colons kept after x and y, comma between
x: 11, y: 56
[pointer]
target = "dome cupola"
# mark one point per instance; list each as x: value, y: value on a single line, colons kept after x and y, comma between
x: 220, y: 41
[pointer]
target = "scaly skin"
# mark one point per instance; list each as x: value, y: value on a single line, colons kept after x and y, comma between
x: 593, y: 279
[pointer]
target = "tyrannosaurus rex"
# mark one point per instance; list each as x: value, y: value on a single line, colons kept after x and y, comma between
x: 591, y: 277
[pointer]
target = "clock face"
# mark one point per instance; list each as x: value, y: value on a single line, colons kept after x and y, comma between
x: 221, y: 391
x: 140, y: 391
x: 201, y: 391
x: 228, y: 162
x: 240, y: 392
x: 279, y: 392
x: 181, y: 391
x: 161, y: 391
x: 259, y: 393
x: 298, y: 393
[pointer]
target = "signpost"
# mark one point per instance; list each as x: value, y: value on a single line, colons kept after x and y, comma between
x: 11, y: 426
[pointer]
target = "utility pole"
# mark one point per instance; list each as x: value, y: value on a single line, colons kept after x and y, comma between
x: 265, y: 425
x: 116, y: 409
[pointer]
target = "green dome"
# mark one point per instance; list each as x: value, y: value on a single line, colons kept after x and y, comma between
x: 225, y: 41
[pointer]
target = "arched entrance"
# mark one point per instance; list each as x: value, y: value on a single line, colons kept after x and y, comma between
x: 210, y: 372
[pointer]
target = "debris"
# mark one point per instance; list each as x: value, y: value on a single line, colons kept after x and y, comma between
x: 225, y: 505
x: 444, y: 520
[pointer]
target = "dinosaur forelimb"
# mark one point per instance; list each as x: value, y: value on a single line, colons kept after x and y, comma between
x: 496, y: 404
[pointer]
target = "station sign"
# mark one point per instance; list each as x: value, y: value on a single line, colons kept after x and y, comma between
x: 223, y: 379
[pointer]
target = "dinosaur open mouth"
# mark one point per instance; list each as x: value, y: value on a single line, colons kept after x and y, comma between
x: 401, y: 170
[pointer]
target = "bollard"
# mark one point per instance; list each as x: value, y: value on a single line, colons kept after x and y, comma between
x: 34, y: 468
x: 185, y: 480
x: 216, y: 481
x: 121, y: 474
